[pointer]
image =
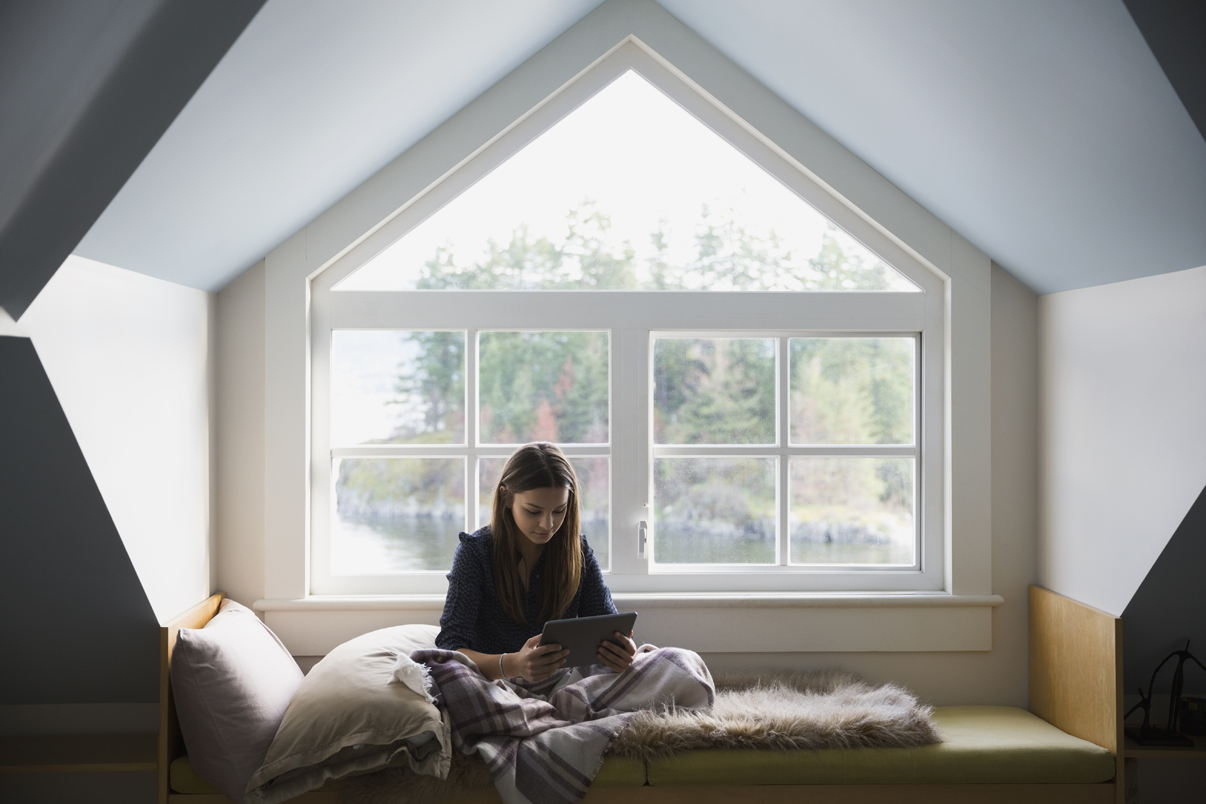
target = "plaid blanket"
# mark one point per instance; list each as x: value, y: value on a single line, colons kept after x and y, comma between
x: 544, y: 741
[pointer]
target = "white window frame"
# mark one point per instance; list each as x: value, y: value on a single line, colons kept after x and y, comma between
x: 631, y: 317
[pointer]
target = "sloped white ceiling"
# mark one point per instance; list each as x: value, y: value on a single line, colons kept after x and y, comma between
x: 315, y: 97
x: 1046, y: 133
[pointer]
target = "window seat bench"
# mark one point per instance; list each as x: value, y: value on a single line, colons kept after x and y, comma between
x: 983, y: 745
x: 1065, y: 750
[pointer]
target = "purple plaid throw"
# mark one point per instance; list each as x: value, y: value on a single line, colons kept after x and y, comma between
x: 543, y: 742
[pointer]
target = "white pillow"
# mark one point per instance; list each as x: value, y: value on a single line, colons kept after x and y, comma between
x: 231, y: 681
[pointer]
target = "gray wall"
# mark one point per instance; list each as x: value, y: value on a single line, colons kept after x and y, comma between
x: 1169, y: 608
x: 79, y: 628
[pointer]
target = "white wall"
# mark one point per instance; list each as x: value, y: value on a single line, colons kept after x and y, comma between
x: 998, y: 676
x: 130, y: 360
x: 994, y: 333
x: 352, y: 225
x: 1123, y: 421
x: 995, y: 550
x: 240, y: 450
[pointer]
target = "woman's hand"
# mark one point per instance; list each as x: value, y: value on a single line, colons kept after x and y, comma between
x: 534, y: 661
x: 617, y: 657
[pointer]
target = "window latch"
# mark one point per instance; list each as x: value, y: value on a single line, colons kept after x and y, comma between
x: 642, y: 536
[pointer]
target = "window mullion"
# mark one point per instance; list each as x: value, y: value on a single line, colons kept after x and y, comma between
x: 629, y: 447
x: 471, y: 470
x: 783, y: 403
x: 743, y: 450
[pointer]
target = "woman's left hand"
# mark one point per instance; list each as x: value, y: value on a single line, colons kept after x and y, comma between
x: 617, y: 656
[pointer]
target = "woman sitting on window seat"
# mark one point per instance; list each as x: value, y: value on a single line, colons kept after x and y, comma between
x: 541, y: 727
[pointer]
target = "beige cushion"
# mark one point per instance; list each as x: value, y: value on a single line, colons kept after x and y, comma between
x: 982, y: 745
x: 349, y: 717
x: 231, y: 682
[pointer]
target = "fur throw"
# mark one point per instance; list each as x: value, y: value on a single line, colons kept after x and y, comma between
x: 784, y: 712
x: 775, y: 711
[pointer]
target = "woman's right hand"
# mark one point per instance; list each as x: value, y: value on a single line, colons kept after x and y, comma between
x: 534, y: 661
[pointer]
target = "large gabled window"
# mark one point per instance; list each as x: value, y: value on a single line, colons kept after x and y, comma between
x: 747, y: 375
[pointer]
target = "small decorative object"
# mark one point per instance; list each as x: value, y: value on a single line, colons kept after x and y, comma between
x: 1193, y: 716
x: 1168, y: 736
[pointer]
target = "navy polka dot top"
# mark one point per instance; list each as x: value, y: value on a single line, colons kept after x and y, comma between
x: 473, y: 617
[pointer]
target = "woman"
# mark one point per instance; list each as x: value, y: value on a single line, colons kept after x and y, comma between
x: 528, y: 566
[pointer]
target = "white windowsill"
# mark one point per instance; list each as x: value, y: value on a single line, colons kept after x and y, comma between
x: 661, y: 600
x: 707, y: 623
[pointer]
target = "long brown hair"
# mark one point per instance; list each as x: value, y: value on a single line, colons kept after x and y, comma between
x: 537, y: 466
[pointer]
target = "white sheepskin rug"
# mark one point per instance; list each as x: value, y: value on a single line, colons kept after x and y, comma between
x: 770, y: 710
x: 777, y: 711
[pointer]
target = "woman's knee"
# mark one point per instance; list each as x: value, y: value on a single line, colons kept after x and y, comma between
x: 679, y: 656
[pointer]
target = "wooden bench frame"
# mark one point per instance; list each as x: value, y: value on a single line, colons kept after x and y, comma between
x: 1075, y: 684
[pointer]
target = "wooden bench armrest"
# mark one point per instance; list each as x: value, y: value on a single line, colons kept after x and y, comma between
x: 171, y: 744
x: 1076, y: 670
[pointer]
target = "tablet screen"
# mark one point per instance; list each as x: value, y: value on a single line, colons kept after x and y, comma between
x: 583, y: 635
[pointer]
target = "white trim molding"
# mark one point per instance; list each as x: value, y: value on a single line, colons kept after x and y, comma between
x: 720, y: 623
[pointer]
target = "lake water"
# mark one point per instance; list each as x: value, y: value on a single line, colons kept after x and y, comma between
x: 427, y: 544
x: 682, y: 544
x: 417, y: 544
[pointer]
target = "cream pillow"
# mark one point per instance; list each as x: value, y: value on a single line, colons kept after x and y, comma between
x: 350, y: 716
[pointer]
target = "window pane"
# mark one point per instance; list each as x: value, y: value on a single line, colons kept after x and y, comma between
x: 852, y: 511
x: 396, y: 514
x: 629, y: 191
x: 852, y: 390
x: 594, y: 483
x: 543, y: 386
x: 714, y: 391
x: 714, y: 511
x: 390, y: 387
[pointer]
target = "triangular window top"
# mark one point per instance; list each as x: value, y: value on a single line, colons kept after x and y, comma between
x: 628, y: 192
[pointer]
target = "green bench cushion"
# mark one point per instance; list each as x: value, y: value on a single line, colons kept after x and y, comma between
x: 620, y: 772
x: 983, y: 745
x: 183, y: 779
x: 616, y: 772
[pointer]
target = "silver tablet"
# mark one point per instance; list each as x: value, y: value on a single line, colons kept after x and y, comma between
x: 583, y: 635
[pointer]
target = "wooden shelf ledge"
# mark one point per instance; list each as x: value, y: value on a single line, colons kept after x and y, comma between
x: 1132, y: 749
x: 78, y: 753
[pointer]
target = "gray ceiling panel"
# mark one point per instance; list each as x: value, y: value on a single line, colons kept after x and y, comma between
x: 86, y: 89
x: 1176, y: 32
